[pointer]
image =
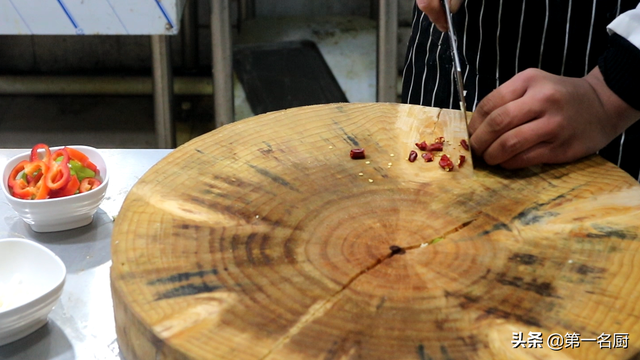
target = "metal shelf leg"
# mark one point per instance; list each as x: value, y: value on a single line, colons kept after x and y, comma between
x: 387, y: 50
x: 163, y: 91
x: 222, y: 62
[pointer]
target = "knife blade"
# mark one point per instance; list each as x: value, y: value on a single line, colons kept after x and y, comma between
x: 456, y: 62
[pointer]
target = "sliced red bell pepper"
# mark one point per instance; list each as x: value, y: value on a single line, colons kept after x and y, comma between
x: 37, y: 190
x: 42, y: 176
x: 25, y: 191
x: 16, y: 171
x: 58, y: 175
x: 34, y: 153
x: 89, y: 184
x: 34, y: 179
x: 68, y: 190
x: 83, y: 159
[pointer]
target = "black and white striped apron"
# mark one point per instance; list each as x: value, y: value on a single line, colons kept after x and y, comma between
x: 499, y: 38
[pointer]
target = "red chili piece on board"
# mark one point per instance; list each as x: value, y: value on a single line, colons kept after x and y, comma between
x: 428, y: 157
x: 357, y: 153
x: 435, y: 147
x: 464, y: 144
x: 461, y: 160
x: 446, y: 163
x: 439, y: 140
x: 422, y: 146
x: 413, y: 155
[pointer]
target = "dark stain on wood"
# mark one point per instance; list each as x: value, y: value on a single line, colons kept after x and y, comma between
x: 531, y: 216
x: 266, y: 151
x: 188, y: 290
x: 440, y: 324
x: 471, y: 341
x: 248, y: 245
x: 422, y: 354
x: 497, y: 227
x: 445, y: 353
x: 470, y: 298
x: 382, y: 172
x: 264, y: 243
x: 481, y: 278
x: 528, y: 320
x: 338, y: 349
x: 273, y: 177
x: 525, y: 259
x: 353, y: 140
x: 545, y: 288
x: 350, y: 138
x: 289, y: 250
x: 498, y: 313
x: 184, y: 276
x: 583, y: 269
x: 218, y: 193
x: 635, y: 356
x: 609, y: 232
x: 502, y: 314
x: 350, y: 343
x: 468, y: 301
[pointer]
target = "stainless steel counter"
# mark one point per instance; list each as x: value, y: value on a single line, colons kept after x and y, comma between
x: 82, y: 325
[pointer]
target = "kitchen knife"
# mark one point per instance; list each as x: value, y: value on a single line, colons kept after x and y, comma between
x: 456, y: 62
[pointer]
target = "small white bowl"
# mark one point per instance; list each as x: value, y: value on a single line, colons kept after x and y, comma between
x: 31, y: 282
x: 61, y: 213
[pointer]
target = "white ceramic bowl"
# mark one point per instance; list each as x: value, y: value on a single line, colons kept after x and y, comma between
x: 61, y: 213
x: 31, y: 282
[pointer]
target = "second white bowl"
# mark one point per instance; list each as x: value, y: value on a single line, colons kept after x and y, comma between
x: 31, y: 282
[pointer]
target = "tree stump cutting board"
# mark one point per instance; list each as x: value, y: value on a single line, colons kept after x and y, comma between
x: 264, y: 240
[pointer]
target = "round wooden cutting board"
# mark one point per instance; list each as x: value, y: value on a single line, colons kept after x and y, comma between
x: 264, y: 240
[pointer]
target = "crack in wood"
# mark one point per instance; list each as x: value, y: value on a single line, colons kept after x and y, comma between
x: 445, y: 234
x: 437, y: 120
x: 320, y: 308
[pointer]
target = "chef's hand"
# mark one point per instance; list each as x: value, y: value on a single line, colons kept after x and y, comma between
x: 435, y: 11
x: 537, y: 118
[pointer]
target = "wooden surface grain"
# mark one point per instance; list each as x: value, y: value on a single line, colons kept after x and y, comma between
x: 264, y: 240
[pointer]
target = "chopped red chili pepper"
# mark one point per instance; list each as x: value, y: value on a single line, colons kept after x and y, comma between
x: 461, y: 160
x: 435, y: 147
x: 446, y: 163
x: 439, y: 140
x: 357, y: 153
x: 422, y: 145
x: 428, y: 157
x: 464, y: 144
x: 413, y: 155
